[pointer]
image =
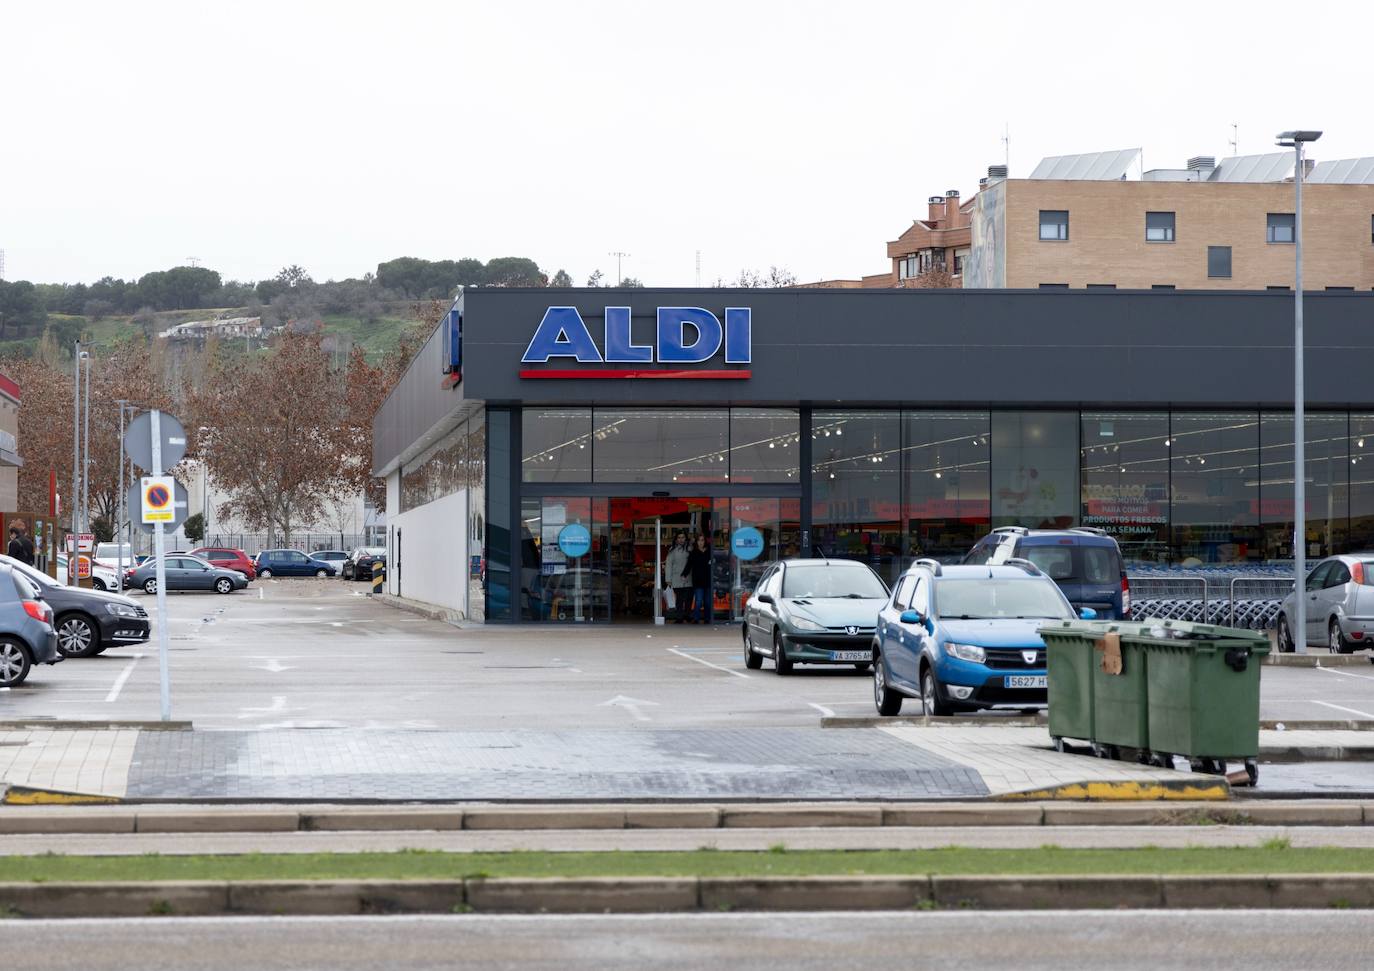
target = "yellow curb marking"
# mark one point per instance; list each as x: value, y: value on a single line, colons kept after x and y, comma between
x: 24, y: 796
x: 1127, y: 791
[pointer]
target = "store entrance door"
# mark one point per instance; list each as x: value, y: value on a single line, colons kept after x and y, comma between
x: 642, y: 531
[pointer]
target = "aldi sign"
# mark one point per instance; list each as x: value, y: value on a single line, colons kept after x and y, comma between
x: 685, y: 339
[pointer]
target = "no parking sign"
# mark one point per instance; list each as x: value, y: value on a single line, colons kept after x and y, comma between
x: 159, y: 493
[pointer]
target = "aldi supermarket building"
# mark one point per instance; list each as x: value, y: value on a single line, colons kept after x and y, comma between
x: 545, y: 446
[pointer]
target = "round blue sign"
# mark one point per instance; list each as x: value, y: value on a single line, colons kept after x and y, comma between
x: 747, y: 543
x: 574, y: 540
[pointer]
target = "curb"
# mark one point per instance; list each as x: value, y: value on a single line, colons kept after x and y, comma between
x: 1133, y: 791
x: 1317, y: 660
x: 95, y: 724
x: 1020, y: 810
x: 931, y: 721
x: 626, y: 895
x: 414, y: 607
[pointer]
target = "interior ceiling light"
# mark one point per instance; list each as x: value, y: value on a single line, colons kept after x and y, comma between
x: 938, y: 474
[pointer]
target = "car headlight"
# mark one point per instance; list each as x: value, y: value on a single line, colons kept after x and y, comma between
x: 966, y: 652
x: 121, y: 610
x: 801, y: 623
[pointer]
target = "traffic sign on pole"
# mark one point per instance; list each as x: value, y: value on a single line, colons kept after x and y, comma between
x: 138, y: 441
x: 180, y: 505
x: 158, y: 493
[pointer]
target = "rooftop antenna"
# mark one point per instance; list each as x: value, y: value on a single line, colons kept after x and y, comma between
x: 1235, y: 139
x: 618, y: 257
x: 2, y: 264
x: 193, y: 261
x: 1006, y: 146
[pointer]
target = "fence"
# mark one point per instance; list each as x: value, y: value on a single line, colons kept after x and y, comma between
x: 1235, y: 597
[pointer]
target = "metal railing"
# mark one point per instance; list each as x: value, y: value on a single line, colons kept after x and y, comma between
x: 1250, y: 602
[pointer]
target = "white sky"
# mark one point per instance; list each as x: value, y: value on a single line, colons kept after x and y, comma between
x: 798, y: 133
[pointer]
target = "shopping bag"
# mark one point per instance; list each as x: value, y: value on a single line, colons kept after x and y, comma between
x: 669, y: 598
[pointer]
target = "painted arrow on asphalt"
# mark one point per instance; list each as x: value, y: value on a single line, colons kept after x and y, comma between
x: 632, y: 705
x: 275, y: 666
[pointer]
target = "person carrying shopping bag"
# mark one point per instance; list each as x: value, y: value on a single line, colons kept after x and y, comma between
x: 674, y: 567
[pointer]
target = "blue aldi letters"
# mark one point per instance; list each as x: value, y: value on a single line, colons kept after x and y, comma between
x: 562, y: 333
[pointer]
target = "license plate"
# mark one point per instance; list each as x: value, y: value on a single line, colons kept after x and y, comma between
x: 850, y: 656
x: 1024, y: 681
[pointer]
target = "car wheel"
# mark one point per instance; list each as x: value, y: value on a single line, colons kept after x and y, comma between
x: 1284, y: 638
x: 14, y: 663
x: 1334, y: 638
x: 321, y: 574
x: 76, y: 636
x: 265, y: 574
x: 224, y: 585
x: 931, y: 701
x: 887, y: 701
x: 97, y: 584
x: 863, y: 666
x: 150, y: 586
x: 781, y: 663
x: 752, y: 659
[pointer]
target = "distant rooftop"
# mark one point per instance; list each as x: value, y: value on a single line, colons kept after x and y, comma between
x: 1125, y: 165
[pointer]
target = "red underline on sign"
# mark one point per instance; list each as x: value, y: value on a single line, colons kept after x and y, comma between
x: 565, y: 374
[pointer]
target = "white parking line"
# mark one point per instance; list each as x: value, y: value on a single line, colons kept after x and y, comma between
x: 738, y: 674
x: 1353, y: 711
x: 123, y: 677
x: 825, y: 712
x: 1362, y: 677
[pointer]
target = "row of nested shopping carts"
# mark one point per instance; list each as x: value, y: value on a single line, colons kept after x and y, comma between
x: 1233, y: 596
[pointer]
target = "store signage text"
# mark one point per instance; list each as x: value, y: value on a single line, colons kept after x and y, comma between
x: 684, y: 336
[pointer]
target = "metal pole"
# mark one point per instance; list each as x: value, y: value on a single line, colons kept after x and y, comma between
x: 119, y: 502
x: 159, y: 549
x: 76, y: 457
x: 86, y: 452
x: 1299, y: 443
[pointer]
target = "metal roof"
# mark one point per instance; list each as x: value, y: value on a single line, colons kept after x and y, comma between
x: 1345, y: 171
x: 1095, y: 166
x: 1273, y: 167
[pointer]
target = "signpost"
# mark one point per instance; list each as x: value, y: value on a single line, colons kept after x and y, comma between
x: 154, y: 441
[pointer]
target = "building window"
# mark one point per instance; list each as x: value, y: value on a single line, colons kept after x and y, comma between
x: 856, y: 481
x: 1161, y: 286
x: 1214, y: 479
x: 1159, y: 227
x: 1277, y: 286
x: 1279, y: 228
x: 660, y: 445
x: 908, y: 267
x: 1101, y: 286
x: 1340, y: 288
x: 764, y: 444
x: 1054, y: 224
x: 1054, y: 286
x: 1125, y: 481
x: 1035, y: 473
x: 945, y: 467
x: 556, y: 444
x: 960, y: 256
x: 1219, y: 262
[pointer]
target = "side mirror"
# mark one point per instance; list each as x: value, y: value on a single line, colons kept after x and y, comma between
x: 765, y: 598
x: 912, y: 617
x: 1087, y: 613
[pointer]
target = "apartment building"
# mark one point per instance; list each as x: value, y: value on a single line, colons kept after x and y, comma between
x: 1098, y: 221
x: 9, y: 445
x: 941, y: 241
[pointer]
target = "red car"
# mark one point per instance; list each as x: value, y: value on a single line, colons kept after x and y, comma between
x: 228, y: 559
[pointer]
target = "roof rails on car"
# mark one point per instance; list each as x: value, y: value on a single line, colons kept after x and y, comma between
x: 1023, y: 563
x: 934, y: 565
x: 1018, y: 530
x: 1090, y: 530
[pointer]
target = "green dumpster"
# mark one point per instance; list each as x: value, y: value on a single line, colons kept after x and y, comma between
x: 1203, y: 692
x: 1085, y: 702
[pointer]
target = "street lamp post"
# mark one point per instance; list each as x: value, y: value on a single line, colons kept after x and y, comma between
x: 1296, y: 140
x: 205, y: 483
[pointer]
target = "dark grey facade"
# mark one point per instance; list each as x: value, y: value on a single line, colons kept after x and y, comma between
x: 963, y: 399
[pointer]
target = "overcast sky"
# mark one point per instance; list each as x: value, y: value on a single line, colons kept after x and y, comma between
x: 804, y: 134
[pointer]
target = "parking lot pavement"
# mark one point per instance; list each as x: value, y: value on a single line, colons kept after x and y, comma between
x: 321, y: 654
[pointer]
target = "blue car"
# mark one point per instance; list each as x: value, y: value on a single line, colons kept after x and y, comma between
x: 292, y: 563
x: 964, y: 637
x: 1083, y: 560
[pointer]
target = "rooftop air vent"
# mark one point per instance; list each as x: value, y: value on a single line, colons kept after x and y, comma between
x: 997, y: 171
x: 935, y: 200
x: 1198, y: 162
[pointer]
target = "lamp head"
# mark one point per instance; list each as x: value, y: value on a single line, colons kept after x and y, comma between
x: 1289, y: 139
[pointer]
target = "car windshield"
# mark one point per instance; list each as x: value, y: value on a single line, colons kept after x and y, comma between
x: 986, y: 598
x: 827, y: 580
x: 110, y: 551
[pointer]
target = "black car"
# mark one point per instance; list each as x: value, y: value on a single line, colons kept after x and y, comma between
x: 358, y: 566
x: 87, y: 621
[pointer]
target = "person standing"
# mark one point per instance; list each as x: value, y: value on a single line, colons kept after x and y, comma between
x: 21, y: 547
x: 674, y: 575
x: 699, y: 570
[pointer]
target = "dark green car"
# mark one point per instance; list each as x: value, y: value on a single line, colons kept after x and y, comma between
x: 813, y: 611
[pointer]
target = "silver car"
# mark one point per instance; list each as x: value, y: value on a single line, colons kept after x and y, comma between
x: 26, y: 632
x: 1340, y: 605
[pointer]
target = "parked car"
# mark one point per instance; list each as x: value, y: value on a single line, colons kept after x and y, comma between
x: 228, y: 558
x: 107, y: 554
x: 87, y: 621
x: 1340, y: 605
x: 965, y: 637
x: 813, y: 611
x: 358, y: 566
x: 26, y: 632
x: 335, y: 558
x: 186, y: 572
x: 292, y: 563
x: 102, y: 577
x: 1084, y: 561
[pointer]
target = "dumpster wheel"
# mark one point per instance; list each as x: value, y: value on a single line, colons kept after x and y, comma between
x: 1106, y: 751
x: 1252, y: 770
x: 1059, y: 745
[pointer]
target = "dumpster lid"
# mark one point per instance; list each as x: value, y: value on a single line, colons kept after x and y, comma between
x: 1156, y: 627
x: 1212, y: 632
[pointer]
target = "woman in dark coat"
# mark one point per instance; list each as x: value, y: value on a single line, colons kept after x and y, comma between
x: 699, y: 571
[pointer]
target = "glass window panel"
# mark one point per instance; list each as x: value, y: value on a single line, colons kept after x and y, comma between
x: 1361, y: 481
x: 1219, y: 262
x: 945, y: 463
x: 1054, y: 224
x: 1126, y: 481
x: 1034, y: 459
x: 661, y: 445
x: 1279, y: 227
x: 477, y: 514
x: 764, y: 444
x: 554, y: 586
x: 856, y: 487
x: 1214, y: 459
x: 497, y: 567
x: 556, y: 444
x: 1159, y: 227
x: 439, y: 471
x: 1327, y: 484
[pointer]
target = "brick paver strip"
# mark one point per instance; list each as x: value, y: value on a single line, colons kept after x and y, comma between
x: 693, y: 764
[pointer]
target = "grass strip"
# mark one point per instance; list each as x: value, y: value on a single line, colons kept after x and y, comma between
x: 433, y: 865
